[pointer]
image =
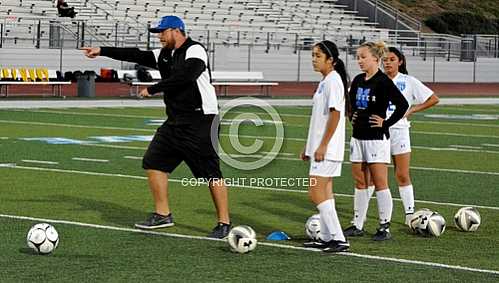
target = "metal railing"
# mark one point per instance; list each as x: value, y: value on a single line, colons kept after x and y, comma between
x: 39, y: 32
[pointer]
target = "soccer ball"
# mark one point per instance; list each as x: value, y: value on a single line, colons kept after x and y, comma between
x: 43, y: 238
x: 242, y: 239
x: 419, y: 221
x: 428, y: 223
x: 313, y: 227
x: 436, y: 224
x: 467, y: 219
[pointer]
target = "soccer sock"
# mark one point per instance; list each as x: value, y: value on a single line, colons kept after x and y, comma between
x: 385, y: 205
x: 329, y: 217
x: 360, y: 205
x: 325, y: 234
x: 370, y: 190
x: 407, y: 196
x: 338, y: 232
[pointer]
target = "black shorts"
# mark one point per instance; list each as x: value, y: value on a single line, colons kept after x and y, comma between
x: 191, y: 143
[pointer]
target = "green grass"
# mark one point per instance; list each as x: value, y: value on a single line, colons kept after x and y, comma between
x: 116, y: 200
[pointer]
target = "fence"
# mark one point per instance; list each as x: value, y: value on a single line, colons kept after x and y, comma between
x: 279, y: 63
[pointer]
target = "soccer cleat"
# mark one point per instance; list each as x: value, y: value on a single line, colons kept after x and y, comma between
x: 317, y: 244
x: 220, y: 231
x: 336, y: 246
x: 383, y: 232
x: 353, y: 231
x: 156, y: 221
x: 408, y: 218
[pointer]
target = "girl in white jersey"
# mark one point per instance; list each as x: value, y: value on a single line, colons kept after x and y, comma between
x: 326, y: 143
x: 421, y: 98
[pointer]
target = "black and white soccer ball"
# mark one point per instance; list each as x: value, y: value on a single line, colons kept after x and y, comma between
x: 242, y: 239
x: 419, y: 221
x: 43, y: 238
x: 436, y: 224
x: 467, y: 219
x: 313, y: 227
x: 428, y: 223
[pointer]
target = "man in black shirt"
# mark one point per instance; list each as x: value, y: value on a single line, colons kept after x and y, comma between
x: 192, y: 109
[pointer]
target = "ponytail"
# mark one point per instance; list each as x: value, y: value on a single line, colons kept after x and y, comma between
x: 378, y: 49
x: 403, y: 67
x: 331, y: 50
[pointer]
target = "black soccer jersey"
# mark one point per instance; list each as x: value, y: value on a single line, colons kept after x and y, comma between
x: 186, y: 79
x: 371, y: 97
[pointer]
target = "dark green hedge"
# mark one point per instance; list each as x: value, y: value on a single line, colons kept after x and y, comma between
x: 462, y: 22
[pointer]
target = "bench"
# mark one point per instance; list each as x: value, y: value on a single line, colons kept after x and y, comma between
x: 221, y: 79
x: 29, y: 77
x: 224, y: 79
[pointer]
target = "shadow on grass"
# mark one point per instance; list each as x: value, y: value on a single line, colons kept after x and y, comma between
x: 110, y: 213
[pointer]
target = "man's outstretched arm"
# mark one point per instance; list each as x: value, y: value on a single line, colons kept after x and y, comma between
x: 144, y: 58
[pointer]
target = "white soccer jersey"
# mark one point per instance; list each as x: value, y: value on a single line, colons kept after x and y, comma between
x: 414, y: 91
x: 329, y: 94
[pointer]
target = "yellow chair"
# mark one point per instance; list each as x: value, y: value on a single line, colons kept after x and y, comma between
x: 32, y: 75
x: 13, y: 73
x: 39, y: 74
x: 24, y: 74
x: 5, y: 73
x: 45, y: 73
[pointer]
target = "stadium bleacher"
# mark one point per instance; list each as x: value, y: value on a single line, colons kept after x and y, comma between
x: 254, y: 21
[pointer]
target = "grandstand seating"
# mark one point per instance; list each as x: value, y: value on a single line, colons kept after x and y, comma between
x: 283, y: 22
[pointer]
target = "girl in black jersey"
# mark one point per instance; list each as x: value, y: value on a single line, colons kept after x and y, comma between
x: 370, y: 94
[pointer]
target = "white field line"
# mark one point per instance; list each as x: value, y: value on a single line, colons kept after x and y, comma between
x: 490, y: 144
x: 455, y: 123
x: 297, y: 159
x: 89, y: 159
x: 88, y: 114
x: 133, y: 157
x: 240, y: 136
x: 14, y: 166
x: 152, y: 130
x: 4, y: 138
x: 40, y: 161
x: 235, y: 112
x: 453, y: 149
x: 412, y: 121
x: 77, y: 126
x: 467, y: 109
x: 466, y: 146
x: 454, y: 134
x: 293, y: 154
x: 146, y: 103
x: 262, y: 243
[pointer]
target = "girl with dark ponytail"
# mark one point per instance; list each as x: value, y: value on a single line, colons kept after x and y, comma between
x: 421, y: 98
x: 331, y: 51
x: 326, y: 144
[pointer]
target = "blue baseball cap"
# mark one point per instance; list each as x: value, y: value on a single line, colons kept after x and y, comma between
x: 167, y: 22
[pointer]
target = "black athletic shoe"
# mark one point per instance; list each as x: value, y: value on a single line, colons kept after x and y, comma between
x: 336, y: 246
x: 353, y: 231
x: 220, y: 231
x: 383, y: 233
x: 317, y: 244
x: 156, y: 221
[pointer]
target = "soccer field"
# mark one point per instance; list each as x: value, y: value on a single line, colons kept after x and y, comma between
x: 80, y: 169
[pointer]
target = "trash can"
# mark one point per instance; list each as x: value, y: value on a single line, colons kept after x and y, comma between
x: 86, y: 84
